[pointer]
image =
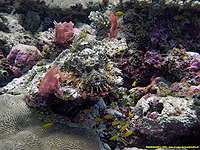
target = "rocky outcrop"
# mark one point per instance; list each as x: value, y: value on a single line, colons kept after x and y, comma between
x: 167, y: 120
x: 14, y: 33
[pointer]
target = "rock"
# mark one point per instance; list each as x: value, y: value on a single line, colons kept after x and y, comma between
x: 22, y: 58
x: 13, y: 23
x: 100, y: 106
x: 32, y: 21
x: 115, y: 113
x: 3, y: 25
x: 16, y: 33
x: 193, y: 54
x: 63, y: 4
x: 159, y: 119
x: 161, y: 86
x: 51, y: 4
x: 104, y: 146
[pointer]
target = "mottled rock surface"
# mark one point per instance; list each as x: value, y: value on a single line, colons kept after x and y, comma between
x: 167, y: 120
x: 15, y: 34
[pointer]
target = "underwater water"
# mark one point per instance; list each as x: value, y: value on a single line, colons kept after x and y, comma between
x: 99, y: 75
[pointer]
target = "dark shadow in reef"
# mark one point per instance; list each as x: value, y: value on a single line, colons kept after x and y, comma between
x: 191, y: 139
x: 37, y: 15
x: 70, y: 108
x: 154, y: 26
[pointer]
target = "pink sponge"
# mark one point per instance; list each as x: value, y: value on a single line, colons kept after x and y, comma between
x: 50, y: 84
x: 64, y: 32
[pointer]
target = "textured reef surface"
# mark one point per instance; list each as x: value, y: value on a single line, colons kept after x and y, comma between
x: 122, y: 74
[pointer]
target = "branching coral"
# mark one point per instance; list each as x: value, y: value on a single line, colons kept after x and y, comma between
x: 106, y: 24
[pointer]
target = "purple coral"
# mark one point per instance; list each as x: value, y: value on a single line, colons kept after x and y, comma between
x: 64, y: 32
x: 153, y: 59
x: 22, y: 57
x: 194, y: 65
x: 159, y: 37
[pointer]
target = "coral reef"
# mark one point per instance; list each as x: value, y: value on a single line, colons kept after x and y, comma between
x: 159, y: 118
x: 129, y: 71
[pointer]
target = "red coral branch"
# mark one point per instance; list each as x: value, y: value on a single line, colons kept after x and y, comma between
x: 114, y: 25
